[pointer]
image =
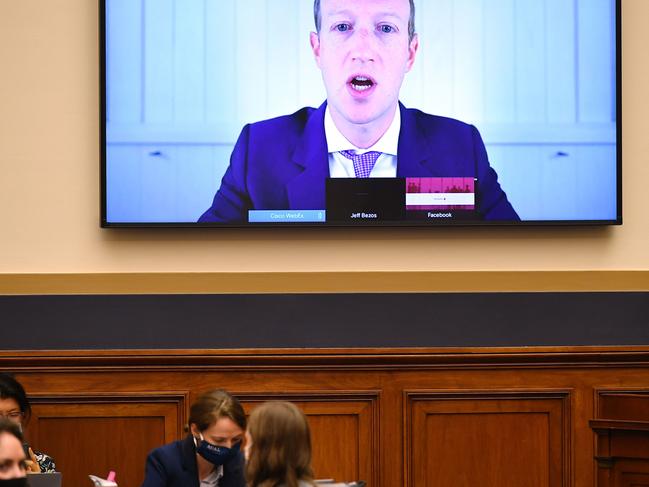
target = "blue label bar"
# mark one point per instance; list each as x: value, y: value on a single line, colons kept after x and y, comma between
x: 287, y: 216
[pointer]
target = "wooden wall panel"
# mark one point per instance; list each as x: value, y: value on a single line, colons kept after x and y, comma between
x: 499, y: 439
x: 626, y: 405
x: 382, y: 415
x: 92, y: 434
x: 634, y: 478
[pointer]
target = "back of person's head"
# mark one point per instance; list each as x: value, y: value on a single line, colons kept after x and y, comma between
x: 280, y: 454
x: 213, y: 405
x: 12, y: 455
x: 10, y: 388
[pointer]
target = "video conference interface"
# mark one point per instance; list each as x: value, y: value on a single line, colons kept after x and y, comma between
x: 189, y: 88
x: 370, y: 200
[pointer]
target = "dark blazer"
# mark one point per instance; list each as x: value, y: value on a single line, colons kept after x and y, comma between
x: 174, y: 465
x: 282, y: 163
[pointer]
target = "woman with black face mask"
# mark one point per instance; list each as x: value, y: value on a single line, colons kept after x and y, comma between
x: 210, y: 455
x: 13, y: 463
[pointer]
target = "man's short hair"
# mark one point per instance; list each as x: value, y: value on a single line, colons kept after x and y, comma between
x: 411, y: 20
x: 8, y: 426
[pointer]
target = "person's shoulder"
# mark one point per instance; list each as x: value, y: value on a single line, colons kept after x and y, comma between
x: 442, y: 135
x: 45, y: 462
x: 293, y: 123
x: 437, y: 122
x: 170, y: 450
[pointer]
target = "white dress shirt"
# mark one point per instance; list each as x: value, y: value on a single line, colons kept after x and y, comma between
x: 212, y: 480
x: 343, y: 167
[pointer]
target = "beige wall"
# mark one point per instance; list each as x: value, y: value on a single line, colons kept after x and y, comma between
x: 49, y: 181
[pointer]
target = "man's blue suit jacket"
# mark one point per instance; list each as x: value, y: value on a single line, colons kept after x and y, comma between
x: 283, y: 163
x: 174, y: 465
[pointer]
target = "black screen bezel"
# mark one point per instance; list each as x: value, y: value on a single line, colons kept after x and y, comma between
x: 361, y: 224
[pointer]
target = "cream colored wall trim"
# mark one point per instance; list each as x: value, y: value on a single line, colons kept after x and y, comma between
x: 322, y: 282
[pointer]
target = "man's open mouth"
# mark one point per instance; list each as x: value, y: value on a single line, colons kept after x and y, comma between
x: 361, y: 83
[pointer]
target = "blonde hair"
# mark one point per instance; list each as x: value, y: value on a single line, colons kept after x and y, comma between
x: 281, y: 446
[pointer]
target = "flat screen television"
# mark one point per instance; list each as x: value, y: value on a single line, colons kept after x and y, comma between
x: 283, y: 113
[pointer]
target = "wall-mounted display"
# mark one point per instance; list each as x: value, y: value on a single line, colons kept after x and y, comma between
x: 364, y: 113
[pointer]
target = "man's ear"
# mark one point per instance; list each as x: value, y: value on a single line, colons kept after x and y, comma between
x: 412, y: 52
x: 314, y: 38
x: 193, y: 430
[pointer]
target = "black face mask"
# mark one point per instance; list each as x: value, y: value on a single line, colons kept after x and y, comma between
x: 216, y: 455
x: 19, y: 482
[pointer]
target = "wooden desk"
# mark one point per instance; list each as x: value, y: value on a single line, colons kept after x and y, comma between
x: 622, y: 453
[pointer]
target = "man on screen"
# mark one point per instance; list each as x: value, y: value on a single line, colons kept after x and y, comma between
x: 363, y: 48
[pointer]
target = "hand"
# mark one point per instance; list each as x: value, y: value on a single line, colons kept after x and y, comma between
x: 32, y: 463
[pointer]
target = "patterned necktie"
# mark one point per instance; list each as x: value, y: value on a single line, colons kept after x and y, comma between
x: 363, y: 163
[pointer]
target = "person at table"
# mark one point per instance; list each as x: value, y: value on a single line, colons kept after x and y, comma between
x: 13, y: 463
x: 278, y: 447
x: 15, y: 407
x: 210, y: 454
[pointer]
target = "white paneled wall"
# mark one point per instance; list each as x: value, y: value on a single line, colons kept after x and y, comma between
x: 536, y: 76
x: 162, y: 182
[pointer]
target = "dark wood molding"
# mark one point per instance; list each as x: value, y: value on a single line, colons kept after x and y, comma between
x: 356, y: 358
x: 309, y: 396
x: 610, y: 424
x: 496, y: 394
x: 176, y: 397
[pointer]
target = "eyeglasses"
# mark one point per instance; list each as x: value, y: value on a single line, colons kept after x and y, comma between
x: 12, y: 415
